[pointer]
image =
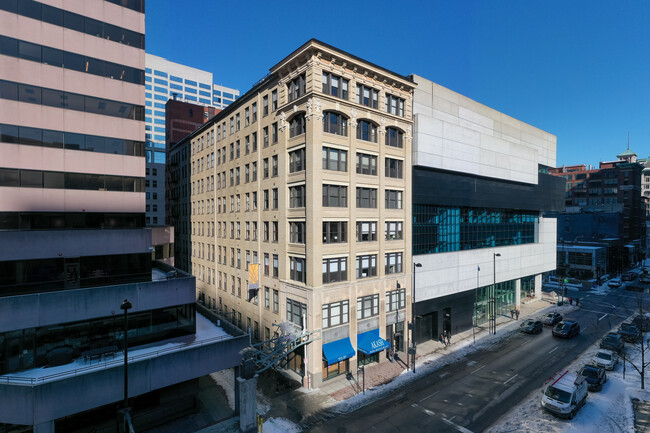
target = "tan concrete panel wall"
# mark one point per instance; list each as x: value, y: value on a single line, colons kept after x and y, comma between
x: 59, y: 119
x: 60, y: 200
x: 39, y: 32
x: 25, y: 71
x: 74, y: 161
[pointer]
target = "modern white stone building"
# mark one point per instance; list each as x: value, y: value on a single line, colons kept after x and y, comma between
x: 479, y: 189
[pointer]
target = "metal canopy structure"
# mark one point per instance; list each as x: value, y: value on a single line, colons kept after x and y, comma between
x: 267, y: 354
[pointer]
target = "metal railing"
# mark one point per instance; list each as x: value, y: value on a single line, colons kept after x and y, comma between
x: 19, y: 380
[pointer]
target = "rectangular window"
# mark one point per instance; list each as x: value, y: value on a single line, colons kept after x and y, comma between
x: 267, y: 297
x: 265, y: 106
x: 265, y: 136
x: 336, y: 313
x: 266, y: 264
x: 297, y: 232
x: 335, y: 85
x: 366, y: 266
x: 335, y: 270
x: 297, y: 270
x: 367, y: 306
x: 393, y: 230
x: 297, y: 125
x: 274, y: 166
x: 266, y: 231
x: 366, y: 164
x: 254, y: 109
x: 393, y: 199
x: 295, y: 312
x: 247, y: 117
x: 276, y: 265
x: 274, y: 100
x: 394, y: 168
x: 366, y: 231
x: 335, y: 196
x: 335, y: 159
x: 396, y: 300
x: 265, y: 165
x: 297, y: 160
x: 274, y: 130
x: 367, y: 96
x: 296, y: 87
x: 335, y: 232
x: 275, y: 198
x: 297, y: 197
x: 366, y: 198
x: 394, y: 137
x: 394, y: 105
x: 276, y: 301
x: 393, y: 263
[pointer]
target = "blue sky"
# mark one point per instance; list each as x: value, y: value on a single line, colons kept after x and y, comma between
x: 579, y: 69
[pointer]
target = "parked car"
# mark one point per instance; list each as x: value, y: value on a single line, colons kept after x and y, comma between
x: 566, y: 329
x: 642, y: 322
x: 629, y: 276
x: 630, y: 333
x: 612, y: 341
x: 595, y: 376
x: 606, y: 359
x: 531, y: 326
x: 615, y: 283
x: 565, y: 395
x: 644, y: 278
x: 552, y: 318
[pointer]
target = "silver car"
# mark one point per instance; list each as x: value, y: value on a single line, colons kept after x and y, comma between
x: 606, y: 359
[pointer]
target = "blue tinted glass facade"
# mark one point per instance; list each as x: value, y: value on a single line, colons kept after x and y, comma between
x: 442, y: 229
x: 190, y: 90
x: 160, y: 73
x: 160, y: 89
x: 190, y: 82
x: 176, y: 86
x: 227, y: 95
x: 204, y: 86
x: 160, y: 81
x: 177, y: 79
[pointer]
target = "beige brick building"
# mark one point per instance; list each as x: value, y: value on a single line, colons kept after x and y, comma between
x: 309, y: 175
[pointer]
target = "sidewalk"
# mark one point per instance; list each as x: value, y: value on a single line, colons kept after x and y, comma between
x: 340, y: 395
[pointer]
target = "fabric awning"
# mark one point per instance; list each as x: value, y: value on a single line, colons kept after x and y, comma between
x: 370, y: 342
x: 338, y: 350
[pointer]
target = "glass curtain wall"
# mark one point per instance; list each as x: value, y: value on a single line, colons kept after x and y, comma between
x: 504, y: 296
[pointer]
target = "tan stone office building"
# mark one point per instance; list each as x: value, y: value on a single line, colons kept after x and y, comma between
x: 307, y: 174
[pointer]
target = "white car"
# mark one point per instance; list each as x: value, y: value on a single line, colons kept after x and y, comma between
x: 615, y: 283
x: 606, y: 359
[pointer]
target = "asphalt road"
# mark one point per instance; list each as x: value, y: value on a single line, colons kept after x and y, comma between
x: 472, y: 394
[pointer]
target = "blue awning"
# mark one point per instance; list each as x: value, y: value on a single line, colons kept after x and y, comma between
x: 370, y: 342
x: 338, y: 350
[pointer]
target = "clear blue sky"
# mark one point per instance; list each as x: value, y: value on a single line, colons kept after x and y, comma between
x: 579, y: 69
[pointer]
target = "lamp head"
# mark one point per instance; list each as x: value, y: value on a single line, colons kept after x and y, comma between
x: 497, y: 254
x: 126, y: 305
x: 417, y: 265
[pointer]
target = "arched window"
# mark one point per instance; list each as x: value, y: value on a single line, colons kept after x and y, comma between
x: 335, y: 123
x: 297, y: 125
x: 394, y: 137
x: 367, y: 131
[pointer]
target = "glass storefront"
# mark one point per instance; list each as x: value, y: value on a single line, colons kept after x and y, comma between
x: 503, y: 296
x: 336, y: 369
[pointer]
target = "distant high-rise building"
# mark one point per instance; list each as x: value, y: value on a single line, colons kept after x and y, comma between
x: 74, y: 245
x: 165, y: 80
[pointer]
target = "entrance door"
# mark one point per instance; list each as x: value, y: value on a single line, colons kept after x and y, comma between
x: 295, y: 360
x: 446, y: 324
x: 399, y: 337
x: 426, y: 328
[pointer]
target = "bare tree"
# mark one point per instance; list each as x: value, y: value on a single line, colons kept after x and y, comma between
x: 641, y: 367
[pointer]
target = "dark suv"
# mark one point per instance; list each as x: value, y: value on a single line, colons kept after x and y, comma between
x: 630, y: 333
x: 612, y: 341
x: 566, y: 329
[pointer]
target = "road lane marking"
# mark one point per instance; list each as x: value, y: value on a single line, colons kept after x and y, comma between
x: 441, y: 375
x: 430, y: 395
x: 602, y: 317
x: 478, y: 369
x: 554, y: 349
x: 456, y: 426
x: 427, y: 411
x: 510, y: 379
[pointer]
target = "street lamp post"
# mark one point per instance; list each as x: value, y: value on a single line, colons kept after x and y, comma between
x: 415, y: 265
x: 126, y: 306
x: 493, y: 301
x: 475, y: 321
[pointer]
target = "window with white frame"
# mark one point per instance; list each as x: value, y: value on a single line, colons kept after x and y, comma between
x: 393, y: 263
x: 367, y: 306
x: 335, y: 270
x: 336, y: 313
x: 366, y: 266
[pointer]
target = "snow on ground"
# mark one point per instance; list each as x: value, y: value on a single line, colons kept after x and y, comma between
x: 280, y: 425
x: 609, y: 410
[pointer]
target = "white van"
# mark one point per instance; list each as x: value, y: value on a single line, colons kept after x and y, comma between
x: 565, y: 394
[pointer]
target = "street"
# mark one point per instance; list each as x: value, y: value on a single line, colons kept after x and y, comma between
x: 472, y: 394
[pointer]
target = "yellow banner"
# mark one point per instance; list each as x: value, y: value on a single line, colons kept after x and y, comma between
x: 253, y: 276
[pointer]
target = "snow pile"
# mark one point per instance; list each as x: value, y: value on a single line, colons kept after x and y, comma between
x: 609, y: 410
x: 280, y: 425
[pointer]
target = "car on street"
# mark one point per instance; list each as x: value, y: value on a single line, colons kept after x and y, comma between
x: 615, y: 283
x: 595, y: 376
x: 531, y: 326
x: 629, y: 276
x: 642, y: 322
x: 552, y: 318
x: 630, y: 333
x: 606, y: 359
x: 566, y: 329
x: 612, y: 341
